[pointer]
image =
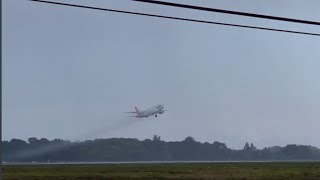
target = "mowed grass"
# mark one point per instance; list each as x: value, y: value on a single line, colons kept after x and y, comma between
x: 223, y: 171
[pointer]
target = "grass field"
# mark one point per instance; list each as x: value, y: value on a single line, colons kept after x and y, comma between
x: 241, y: 171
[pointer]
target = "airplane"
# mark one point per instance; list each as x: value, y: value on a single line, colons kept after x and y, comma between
x: 155, y: 110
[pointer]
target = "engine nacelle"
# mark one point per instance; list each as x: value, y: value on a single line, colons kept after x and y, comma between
x: 161, y: 112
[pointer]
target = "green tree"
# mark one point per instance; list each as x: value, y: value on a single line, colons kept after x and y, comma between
x: 246, y: 147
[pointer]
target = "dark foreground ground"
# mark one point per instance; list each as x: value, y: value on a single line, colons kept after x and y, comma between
x: 243, y: 171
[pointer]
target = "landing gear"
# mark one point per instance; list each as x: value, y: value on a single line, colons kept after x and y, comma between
x: 156, y: 116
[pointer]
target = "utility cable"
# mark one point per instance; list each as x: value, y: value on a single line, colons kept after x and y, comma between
x: 229, y: 12
x: 176, y: 18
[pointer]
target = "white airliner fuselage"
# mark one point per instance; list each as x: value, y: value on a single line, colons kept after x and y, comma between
x: 153, y: 111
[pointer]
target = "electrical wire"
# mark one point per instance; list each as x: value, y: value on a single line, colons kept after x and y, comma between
x: 176, y: 18
x: 229, y: 12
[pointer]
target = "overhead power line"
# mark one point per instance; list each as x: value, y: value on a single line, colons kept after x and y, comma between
x: 229, y: 12
x: 176, y: 18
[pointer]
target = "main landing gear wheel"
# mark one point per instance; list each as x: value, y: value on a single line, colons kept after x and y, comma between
x: 155, y: 116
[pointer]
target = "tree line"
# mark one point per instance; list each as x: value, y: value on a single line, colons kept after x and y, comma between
x: 130, y: 149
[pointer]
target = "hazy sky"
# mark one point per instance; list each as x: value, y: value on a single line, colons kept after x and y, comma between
x: 72, y: 73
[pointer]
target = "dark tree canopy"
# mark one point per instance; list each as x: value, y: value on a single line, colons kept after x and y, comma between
x: 128, y: 149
